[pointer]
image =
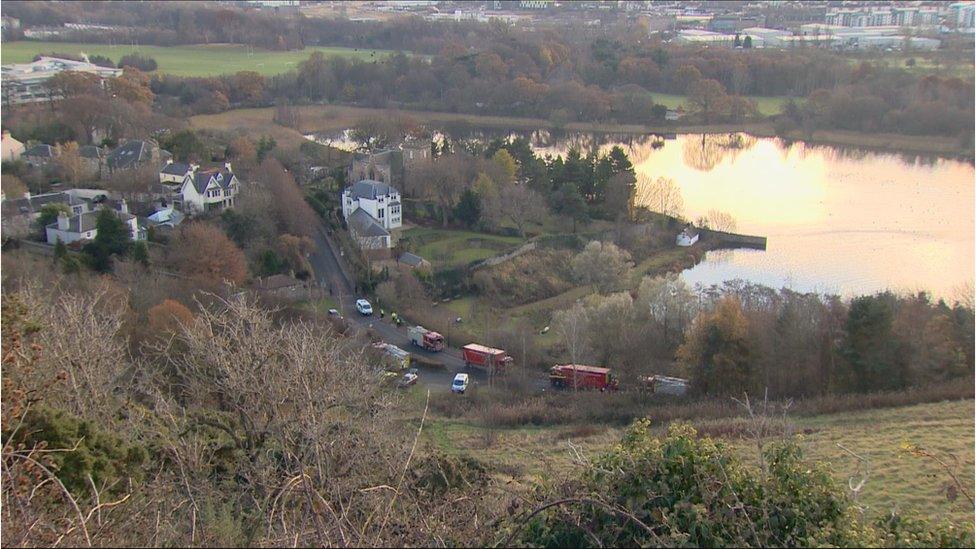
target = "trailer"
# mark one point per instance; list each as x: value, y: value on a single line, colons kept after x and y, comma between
x: 395, y: 357
x: 425, y: 339
x: 485, y: 357
x: 666, y: 385
x: 581, y: 376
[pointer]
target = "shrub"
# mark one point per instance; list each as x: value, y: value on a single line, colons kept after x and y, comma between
x: 141, y: 62
x: 690, y: 490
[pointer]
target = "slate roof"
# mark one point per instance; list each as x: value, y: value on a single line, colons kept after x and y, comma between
x: 201, y: 180
x: 42, y: 150
x: 34, y: 203
x: 365, y: 225
x: 279, y: 281
x: 175, y: 168
x: 370, y: 189
x: 129, y: 154
x: 86, y: 222
x: 411, y: 259
x: 90, y: 151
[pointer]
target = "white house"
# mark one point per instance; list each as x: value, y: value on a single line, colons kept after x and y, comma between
x: 379, y: 200
x: 209, y: 190
x: 83, y: 226
x: 687, y: 237
x: 12, y: 149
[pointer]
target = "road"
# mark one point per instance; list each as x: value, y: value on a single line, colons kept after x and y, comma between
x: 329, y: 274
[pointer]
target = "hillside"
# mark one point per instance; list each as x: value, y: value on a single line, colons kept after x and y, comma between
x: 895, y: 479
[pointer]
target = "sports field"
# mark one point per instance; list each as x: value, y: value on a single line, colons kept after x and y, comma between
x: 198, y: 60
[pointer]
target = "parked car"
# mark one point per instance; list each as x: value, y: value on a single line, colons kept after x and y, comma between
x: 364, y: 307
x: 335, y: 313
x: 409, y: 378
x: 460, y: 383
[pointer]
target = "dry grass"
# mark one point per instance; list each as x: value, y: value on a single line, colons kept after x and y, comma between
x: 897, y: 480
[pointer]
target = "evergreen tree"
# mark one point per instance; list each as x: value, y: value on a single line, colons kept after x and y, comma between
x: 112, y: 239
x: 468, y: 209
x: 60, y: 250
x: 140, y: 253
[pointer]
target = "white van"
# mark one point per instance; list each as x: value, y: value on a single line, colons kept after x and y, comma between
x: 364, y: 307
x: 460, y: 383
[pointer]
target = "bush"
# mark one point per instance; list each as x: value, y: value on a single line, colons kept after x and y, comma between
x: 690, y: 490
x: 109, y: 460
x: 141, y: 62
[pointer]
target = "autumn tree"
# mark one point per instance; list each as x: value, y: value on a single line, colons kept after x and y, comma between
x: 69, y: 164
x: 709, y: 99
x: 203, y: 252
x: 12, y: 186
x: 602, y: 265
x: 167, y: 316
x: 717, y: 353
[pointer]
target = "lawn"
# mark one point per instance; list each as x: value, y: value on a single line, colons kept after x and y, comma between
x: 450, y: 248
x: 197, y: 60
x: 896, y: 479
x: 767, y: 105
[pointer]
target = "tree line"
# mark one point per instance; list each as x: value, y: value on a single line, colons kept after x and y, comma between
x: 741, y: 337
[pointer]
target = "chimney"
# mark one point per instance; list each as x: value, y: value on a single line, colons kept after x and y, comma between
x: 194, y: 167
x: 123, y: 207
x: 227, y: 166
x: 62, y: 221
x: 169, y: 161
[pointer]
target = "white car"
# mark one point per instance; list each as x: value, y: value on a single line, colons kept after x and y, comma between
x: 460, y: 383
x: 364, y: 307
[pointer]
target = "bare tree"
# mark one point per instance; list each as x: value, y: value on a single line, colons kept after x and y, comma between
x: 662, y: 195
x: 602, y: 264
x: 572, y: 325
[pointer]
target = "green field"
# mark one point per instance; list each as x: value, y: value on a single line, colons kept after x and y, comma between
x: 896, y: 480
x: 767, y: 105
x: 450, y: 248
x: 200, y: 60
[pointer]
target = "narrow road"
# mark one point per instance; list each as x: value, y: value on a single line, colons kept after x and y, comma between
x: 325, y: 261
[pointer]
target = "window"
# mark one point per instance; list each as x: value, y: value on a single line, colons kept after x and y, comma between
x: 380, y: 213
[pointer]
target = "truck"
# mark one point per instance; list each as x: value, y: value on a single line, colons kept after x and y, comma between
x: 426, y: 339
x: 580, y: 376
x: 485, y: 357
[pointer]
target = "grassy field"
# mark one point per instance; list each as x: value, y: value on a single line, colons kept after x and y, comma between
x: 198, y: 60
x: 767, y: 105
x: 895, y: 479
x: 448, y: 248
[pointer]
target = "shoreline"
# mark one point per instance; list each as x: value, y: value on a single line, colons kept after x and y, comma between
x: 329, y: 118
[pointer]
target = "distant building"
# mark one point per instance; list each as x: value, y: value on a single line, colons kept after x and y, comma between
x: 376, y: 166
x: 92, y: 158
x: 10, y: 148
x: 963, y: 13
x: 735, y: 23
x: 368, y: 232
x: 379, y: 211
x: 703, y: 37
x: 83, y: 226
x: 132, y: 155
x: 687, y: 237
x: 25, y: 82
x: 209, y: 190
x: 414, y: 261
x: 40, y: 155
